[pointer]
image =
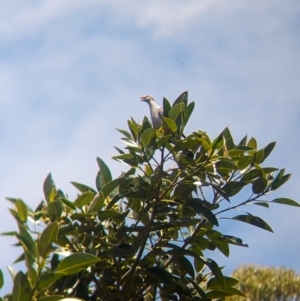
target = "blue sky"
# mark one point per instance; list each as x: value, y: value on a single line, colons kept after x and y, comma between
x: 73, y: 71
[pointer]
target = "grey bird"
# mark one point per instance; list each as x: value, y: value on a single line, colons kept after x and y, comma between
x: 156, y: 112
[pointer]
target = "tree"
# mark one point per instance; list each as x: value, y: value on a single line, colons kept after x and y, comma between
x: 267, y: 283
x: 143, y: 235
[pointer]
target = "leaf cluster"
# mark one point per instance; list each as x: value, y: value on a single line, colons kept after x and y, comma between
x: 144, y: 234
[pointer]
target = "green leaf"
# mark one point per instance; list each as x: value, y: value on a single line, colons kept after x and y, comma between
x: 182, y: 98
x: 125, y: 133
x: 48, y: 185
x: 202, y: 210
x: 161, y: 276
x: 252, y: 143
x: 21, y: 289
x: 215, y: 270
x: 259, y: 185
x: 57, y: 298
x: 99, y: 199
x: 105, y: 175
x: 148, y: 137
x: 1, y: 279
x: 48, y: 236
x: 214, y: 283
x: 243, y: 141
x: 253, y: 220
x: 170, y: 124
x: 55, y: 210
x: 188, y: 112
x: 76, y: 262
x: 280, y: 179
x: 185, y: 266
x: 286, y: 201
x: 82, y: 187
x: 228, y: 139
x: 232, y: 188
x: 220, y: 293
x: 84, y: 199
x: 268, y: 149
x: 115, y: 215
x: 22, y: 210
x: 27, y: 240
x: 134, y: 129
x: 166, y: 106
x: 259, y: 156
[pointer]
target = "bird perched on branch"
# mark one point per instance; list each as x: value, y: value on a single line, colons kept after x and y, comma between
x: 156, y: 112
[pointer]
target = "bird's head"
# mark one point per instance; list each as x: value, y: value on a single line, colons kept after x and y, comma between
x: 147, y: 98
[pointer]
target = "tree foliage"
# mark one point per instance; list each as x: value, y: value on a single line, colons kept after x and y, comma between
x: 267, y: 283
x: 143, y: 235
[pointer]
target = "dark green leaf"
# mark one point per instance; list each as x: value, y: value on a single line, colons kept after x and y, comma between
x: 263, y: 204
x: 188, y: 112
x: 215, y: 270
x: 259, y: 185
x: 161, y: 276
x: 232, y: 188
x: 182, y: 98
x: 125, y: 133
x: 166, y: 106
x: 185, y: 266
x: 268, y: 149
x: 21, y: 290
x: 82, y: 187
x: 286, y: 201
x: 48, y: 185
x: 76, y: 263
x: 1, y: 279
x: 105, y: 175
x: 202, y: 210
x: 213, y: 282
x: 253, y: 220
x: 243, y: 141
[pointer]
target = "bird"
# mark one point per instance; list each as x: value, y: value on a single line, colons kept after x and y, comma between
x: 156, y: 112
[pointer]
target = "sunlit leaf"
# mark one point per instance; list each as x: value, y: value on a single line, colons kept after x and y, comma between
x: 286, y: 201
x: 253, y: 220
x: 76, y: 263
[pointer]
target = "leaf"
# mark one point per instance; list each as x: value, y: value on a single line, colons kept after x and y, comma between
x: 259, y: 185
x: 259, y: 156
x: 76, y: 263
x: 21, y: 290
x: 252, y: 143
x: 148, y: 137
x: 202, y: 210
x: 161, y: 276
x: 48, y: 185
x: 166, y: 106
x: 22, y: 210
x: 105, y: 175
x: 253, y: 220
x: 232, y: 188
x: 228, y: 139
x: 215, y: 270
x: 99, y: 199
x: 48, y: 236
x: 182, y: 98
x: 1, y: 279
x: 55, y: 210
x: 84, y: 199
x: 286, y: 201
x: 268, y: 149
x: 188, y: 112
x: 82, y: 187
x: 280, y: 179
x: 170, y: 124
x: 243, y: 141
x: 229, y: 281
x: 185, y: 266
